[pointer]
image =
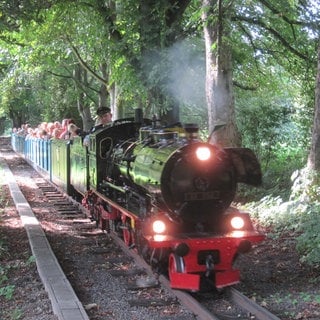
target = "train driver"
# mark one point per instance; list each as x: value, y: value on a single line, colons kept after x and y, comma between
x: 104, y: 119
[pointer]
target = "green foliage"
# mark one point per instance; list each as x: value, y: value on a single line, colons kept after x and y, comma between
x: 127, y: 43
x: 5, y: 290
x: 308, y: 243
x: 270, y: 126
x: 275, y: 61
x: 3, y: 248
x: 306, y: 185
x: 306, y: 188
x: 277, y: 172
x: 31, y: 260
x: 274, y: 212
x: 299, y: 215
x: 16, y: 314
x: 3, y: 276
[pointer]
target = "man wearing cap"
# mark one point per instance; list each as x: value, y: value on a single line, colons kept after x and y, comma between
x: 104, y: 119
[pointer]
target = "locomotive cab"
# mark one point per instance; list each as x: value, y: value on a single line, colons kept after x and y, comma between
x: 101, y: 146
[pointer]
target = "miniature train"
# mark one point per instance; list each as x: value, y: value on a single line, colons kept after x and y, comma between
x: 163, y: 190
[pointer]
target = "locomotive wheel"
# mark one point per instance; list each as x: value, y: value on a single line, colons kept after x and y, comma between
x: 176, y: 264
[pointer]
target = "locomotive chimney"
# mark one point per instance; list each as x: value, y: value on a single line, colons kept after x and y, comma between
x: 192, y: 131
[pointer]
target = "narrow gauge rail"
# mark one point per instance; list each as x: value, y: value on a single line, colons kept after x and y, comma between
x: 67, y: 207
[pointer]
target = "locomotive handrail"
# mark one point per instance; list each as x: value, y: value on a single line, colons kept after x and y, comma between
x: 118, y: 188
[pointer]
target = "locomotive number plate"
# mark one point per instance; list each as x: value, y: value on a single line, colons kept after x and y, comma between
x: 194, y: 196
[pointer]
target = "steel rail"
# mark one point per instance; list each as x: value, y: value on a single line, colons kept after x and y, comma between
x: 250, y: 306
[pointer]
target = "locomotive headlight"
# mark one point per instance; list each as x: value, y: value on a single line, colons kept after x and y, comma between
x: 203, y: 153
x: 237, y: 223
x: 158, y: 226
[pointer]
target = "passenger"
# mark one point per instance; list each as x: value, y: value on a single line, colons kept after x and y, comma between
x: 43, y: 126
x: 50, y: 127
x: 56, y: 133
x: 23, y: 130
x: 30, y: 134
x: 75, y: 131
x: 43, y: 134
x: 57, y: 125
x: 64, y: 128
x: 72, y: 129
x: 64, y: 123
x: 65, y: 132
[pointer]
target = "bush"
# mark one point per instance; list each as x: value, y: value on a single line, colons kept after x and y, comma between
x: 308, y: 243
x: 299, y: 215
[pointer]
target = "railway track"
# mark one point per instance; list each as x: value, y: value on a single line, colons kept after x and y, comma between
x: 109, y: 278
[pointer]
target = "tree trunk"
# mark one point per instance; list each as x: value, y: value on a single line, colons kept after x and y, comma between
x: 87, y: 121
x: 115, y: 105
x: 103, y: 92
x: 219, y: 87
x: 314, y: 154
x: 80, y: 76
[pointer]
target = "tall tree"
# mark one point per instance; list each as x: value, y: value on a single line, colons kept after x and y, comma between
x: 314, y: 155
x: 219, y: 86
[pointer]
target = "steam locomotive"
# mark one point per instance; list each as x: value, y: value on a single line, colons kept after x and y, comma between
x: 163, y: 190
